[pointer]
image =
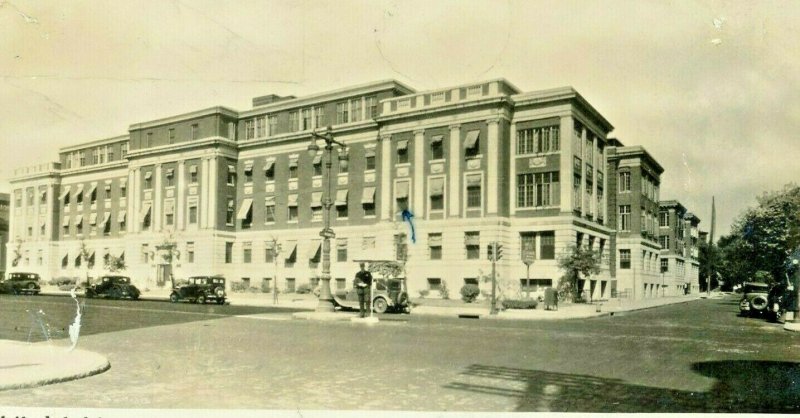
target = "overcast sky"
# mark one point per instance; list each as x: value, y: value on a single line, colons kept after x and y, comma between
x: 710, y: 88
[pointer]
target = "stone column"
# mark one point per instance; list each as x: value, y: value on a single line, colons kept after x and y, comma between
x: 213, y: 201
x: 492, y: 163
x: 180, y: 196
x: 386, y: 170
x: 129, y: 206
x: 48, y: 226
x: 512, y: 168
x: 566, y: 153
x: 157, y: 221
x: 419, y: 174
x: 454, y: 172
x: 204, y: 185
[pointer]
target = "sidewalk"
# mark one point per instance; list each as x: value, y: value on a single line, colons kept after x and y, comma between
x: 26, y: 365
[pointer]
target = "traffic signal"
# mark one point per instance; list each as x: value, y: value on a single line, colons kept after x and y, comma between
x: 499, y: 251
x: 490, y: 251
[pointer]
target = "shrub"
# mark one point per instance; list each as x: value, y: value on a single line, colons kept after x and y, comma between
x: 253, y: 290
x: 62, y: 281
x: 303, y: 289
x: 238, y: 287
x: 520, y: 303
x: 444, y: 291
x: 470, y: 292
x: 423, y: 293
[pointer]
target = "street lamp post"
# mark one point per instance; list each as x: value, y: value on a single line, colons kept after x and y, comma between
x: 325, y: 301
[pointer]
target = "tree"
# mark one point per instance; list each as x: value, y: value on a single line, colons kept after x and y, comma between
x: 763, y: 237
x: 576, y: 261
x: 114, y: 264
x: 386, y: 268
x: 17, y: 252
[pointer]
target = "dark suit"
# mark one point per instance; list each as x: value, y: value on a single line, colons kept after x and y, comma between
x: 363, y: 283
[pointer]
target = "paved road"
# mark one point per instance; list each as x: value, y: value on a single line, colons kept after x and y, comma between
x: 693, y: 357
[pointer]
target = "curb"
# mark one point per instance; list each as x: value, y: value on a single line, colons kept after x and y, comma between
x: 96, y: 364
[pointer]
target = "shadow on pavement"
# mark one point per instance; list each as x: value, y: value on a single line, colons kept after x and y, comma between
x: 742, y: 386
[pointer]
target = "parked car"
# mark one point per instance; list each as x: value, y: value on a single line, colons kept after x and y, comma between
x: 21, y: 283
x: 200, y: 289
x: 780, y: 299
x: 754, y: 299
x: 387, y: 295
x: 113, y: 287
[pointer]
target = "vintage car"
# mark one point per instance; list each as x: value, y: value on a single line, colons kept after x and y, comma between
x: 200, y: 289
x: 21, y: 283
x: 387, y: 295
x: 754, y: 299
x: 780, y: 299
x: 113, y: 287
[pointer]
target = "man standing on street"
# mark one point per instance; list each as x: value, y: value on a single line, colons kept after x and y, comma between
x: 363, y: 284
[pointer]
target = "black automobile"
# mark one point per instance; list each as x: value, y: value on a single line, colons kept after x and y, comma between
x: 387, y: 295
x: 113, y: 287
x: 779, y: 299
x: 754, y: 299
x: 200, y: 289
x: 21, y: 283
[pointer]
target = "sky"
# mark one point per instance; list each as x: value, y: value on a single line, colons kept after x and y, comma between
x: 710, y: 88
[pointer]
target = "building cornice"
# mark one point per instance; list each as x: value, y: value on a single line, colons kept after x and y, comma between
x: 214, y: 141
x: 560, y: 94
x: 95, y: 143
x: 217, y: 110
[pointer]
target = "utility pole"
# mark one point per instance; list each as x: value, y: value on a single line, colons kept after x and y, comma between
x: 711, y: 256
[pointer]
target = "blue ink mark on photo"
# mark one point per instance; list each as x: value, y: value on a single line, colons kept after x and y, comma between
x: 407, y: 217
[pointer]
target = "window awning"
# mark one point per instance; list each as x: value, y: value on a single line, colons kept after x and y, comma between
x: 247, y: 204
x: 192, y: 169
x: 341, y: 243
x: 121, y: 216
x: 248, y: 165
x: 291, y: 248
x: 269, y: 201
x: 313, y: 250
x: 145, y: 210
x: 170, y: 172
x: 42, y: 222
x: 292, y: 200
x: 106, y: 217
x: 437, y: 187
x: 79, y: 190
x: 472, y: 239
x: 65, y: 222
x: 169, y: 207
x: 316, y: 199
x: 148, y: 175
x: 65, y: 194
x: 437, y: 138
x: 92, y: 219
x: 401, y: 190
x: 341, y: 197
x: 435, y: 240
x: 231, y: 168
x: 42, y: 193
x: 269, y: 164
x: 472, y: 139
x: 402, y: 145
x: 368, y: 195
x: 369, y: 153
x: 473, y: 180
x: 292, y: 163
x: 91, y: 190
x: 123, y: 182
x: 78, y: 219
x: 317, y: 159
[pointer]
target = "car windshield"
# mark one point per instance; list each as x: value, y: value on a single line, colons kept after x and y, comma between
x: 754, y: 288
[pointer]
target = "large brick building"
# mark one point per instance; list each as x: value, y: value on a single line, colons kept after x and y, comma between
x: 208, y: 191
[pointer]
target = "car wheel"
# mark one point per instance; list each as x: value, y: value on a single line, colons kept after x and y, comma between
x: 379, y: 305
x: 89, y: 293
x: 173, y: 297
x: 32, y: 288
x: 201, y: 299
x: 759, y: 303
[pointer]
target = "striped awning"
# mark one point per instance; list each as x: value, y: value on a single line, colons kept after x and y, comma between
x: 341, y: 197
x: 247, y: 204
x: 437, y: 187
x: 121, y: 216
x: 368, y: 195
x: 472, y: 139
x: 292, y: 200
x: 316, y: 199
x: 401, y: 190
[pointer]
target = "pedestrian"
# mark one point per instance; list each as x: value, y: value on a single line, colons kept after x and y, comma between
x: 363, y: 284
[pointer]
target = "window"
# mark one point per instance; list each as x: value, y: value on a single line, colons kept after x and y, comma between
x: 663, y: 219
x: 434, y: 283
x: 341, y: 249
x: 293, y: 121
x: 355, y: 110
x: 228, y: 252
x: 344, y: 164
x: 269, y: 210
x: 82, y: 158
x: 171, y: 135
x: 306, y: 120
x: 624, y: 259
x: 124, y: 150
x: 548, y: 245
x: 273, y: 124
x: 232, y: 131
x: 110, y: 153
x: 401, y: 196
x: 402, y: 152
x: 342, y: 112
x: 371, y: 107
x: 370, y: 159
x: 229, y: 212
x: 293, y: 169
x: 231, y: 175
x: 145, y: 255
x: 269, y: 171
x: 190, y: 252
x: 624, y: 218
x: 625, y: 181
x: 148, y: 180
x: 341, y: 283
x: 437, y: 148
x: 368, y: 201
x: 269, y: 252
x: 148, y: 140
x: 29, y: 199
x: 95, y: 159
x: 317, y: 164
x: 538, y: 140
x: 192, y: 213
x: 527, y: 245
x: 292, y: 214
x: 474, y: 196
x: 195, y: 133
x: 437, y: 193
x: 290, y: 285
x: 169, y: 212
x: 247, y: 252
x: 537, y: 189
x: 664, y: 241
x: 170, y: 178
x: 664, y: 265
x: 248, y: 172
x: 261, y: 126
x: 473, y: 245
x: 316, y: 213
x: 319, y: 117
x: 400, y: 247
x: 249, y: 129
x: 472, y: 144
x: 341, y: 204
x: 435, y: 246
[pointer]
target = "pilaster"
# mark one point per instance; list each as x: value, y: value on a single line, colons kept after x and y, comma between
x: 493, y: 148
x: 454, y: 159
x: 419, y: 178
x: 566, y: 133
x: 180, y: 195
x: 512, y: 166
x: 157, y: 221
x: 386, y: 204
